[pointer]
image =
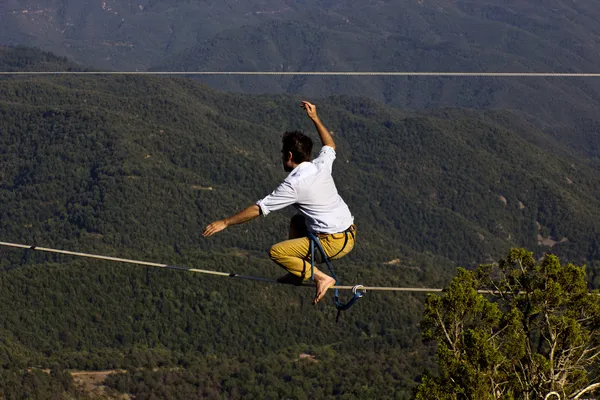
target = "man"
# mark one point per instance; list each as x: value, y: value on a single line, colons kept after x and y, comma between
x: 311, y: 189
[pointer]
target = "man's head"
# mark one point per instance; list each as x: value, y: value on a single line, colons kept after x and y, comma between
x: 296, y: 148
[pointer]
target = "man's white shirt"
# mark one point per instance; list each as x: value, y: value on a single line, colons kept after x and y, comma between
x: 311, y: 189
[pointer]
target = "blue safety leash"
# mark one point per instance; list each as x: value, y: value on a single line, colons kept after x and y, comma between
x: 341, y: 306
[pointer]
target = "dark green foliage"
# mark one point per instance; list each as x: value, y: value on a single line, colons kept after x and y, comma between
x: 136, y: 167
x: 534, y: 331
x: 414, y: 182
x: 327, y: 375
x: 35, y: 384
x: 76, y: 175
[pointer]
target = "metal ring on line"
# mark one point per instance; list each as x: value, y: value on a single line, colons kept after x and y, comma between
x: 360, y: 294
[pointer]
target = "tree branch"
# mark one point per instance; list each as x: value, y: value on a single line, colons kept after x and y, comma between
x: 587, y: 389
x: 444, y: 330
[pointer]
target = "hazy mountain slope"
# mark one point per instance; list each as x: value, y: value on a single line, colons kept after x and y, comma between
x: 289, y: 35
x: 453, y: 40
x: 122, y: 34
x: 125, y: 33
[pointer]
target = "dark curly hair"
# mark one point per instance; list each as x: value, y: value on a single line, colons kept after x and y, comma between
x: 298, y: 144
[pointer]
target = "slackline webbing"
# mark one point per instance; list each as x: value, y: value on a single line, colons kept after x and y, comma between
x: 321, y: 73
x: 203, y: 271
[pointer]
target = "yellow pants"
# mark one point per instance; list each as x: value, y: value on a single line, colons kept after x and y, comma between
x: 294, y: 254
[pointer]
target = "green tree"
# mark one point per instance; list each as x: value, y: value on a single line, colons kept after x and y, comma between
x: 516, y: 329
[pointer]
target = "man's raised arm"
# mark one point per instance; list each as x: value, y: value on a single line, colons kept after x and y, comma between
x: 311, y: 111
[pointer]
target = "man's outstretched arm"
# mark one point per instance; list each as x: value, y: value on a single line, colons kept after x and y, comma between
x: 311, y: 111
x: 245, y: 215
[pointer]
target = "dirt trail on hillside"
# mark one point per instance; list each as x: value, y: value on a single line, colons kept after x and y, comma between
x: 92, y: 382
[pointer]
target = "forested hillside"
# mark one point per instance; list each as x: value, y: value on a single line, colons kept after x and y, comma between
x: 136, y: 167
x: 414, y: 179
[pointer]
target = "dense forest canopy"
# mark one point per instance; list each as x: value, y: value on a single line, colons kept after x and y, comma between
x: 137, y: 166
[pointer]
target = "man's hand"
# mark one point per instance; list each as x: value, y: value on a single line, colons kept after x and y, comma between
x: 215, y: 227
x: 311, y: 110
x: 245, y: 215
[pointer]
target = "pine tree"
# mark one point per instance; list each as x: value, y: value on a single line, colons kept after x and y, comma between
x: 517, y: 329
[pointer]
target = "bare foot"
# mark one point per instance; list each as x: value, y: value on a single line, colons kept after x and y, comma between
x: 323, y: 282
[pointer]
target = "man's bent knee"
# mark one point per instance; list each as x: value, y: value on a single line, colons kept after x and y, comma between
x: 274, y: 253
